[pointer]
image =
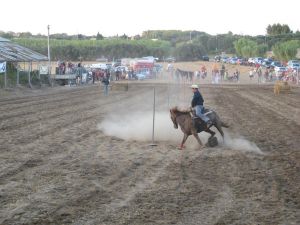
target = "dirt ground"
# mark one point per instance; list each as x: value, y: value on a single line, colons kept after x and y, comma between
x: 70, y: 155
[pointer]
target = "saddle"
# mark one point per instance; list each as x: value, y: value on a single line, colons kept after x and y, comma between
x: 198, y: 123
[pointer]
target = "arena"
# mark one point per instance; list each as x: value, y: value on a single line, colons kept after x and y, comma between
x: 70, y: 155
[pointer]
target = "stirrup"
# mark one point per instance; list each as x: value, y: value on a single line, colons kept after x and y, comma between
x: 209, y: 123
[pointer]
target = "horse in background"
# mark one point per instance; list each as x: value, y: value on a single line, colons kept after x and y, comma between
x: 185, y: 75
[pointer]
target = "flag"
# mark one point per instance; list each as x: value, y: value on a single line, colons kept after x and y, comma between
x: 2, y: 67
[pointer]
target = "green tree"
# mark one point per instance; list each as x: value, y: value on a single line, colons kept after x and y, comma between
x: 286, y: 50
x: 246, y: 47
x: 99, y: 36
x: 189, y: 52
x: 276, y: 29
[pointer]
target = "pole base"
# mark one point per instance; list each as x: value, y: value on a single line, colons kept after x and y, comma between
x: 153, y: 145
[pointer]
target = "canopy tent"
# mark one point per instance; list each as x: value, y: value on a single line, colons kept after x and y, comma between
x: 12, y: 52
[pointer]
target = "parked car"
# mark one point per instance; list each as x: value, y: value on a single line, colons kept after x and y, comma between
x: 140, y: 76
x: 294, y: 66
x: 224, y: 59
x: 241, y: 61
x: 217, y: 58
x: 266, y: 63
x: 143, y: 74
x: 233, y: 60
x: 275, y: 64
x: 121, y: 68
x: 205, y: 58
x: 170, y: 59
x: 280, y: 71
x: 258, y: 60
x: 251, y: 61
x: 292, y: 62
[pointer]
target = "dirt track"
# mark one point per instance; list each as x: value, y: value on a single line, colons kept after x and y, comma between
x: 57, y: 167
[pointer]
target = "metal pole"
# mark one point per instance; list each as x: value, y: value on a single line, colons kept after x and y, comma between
x: 49, y: 48
x: 18, y: 75
x: 297, y: 76
x: 153, y: 122
x: 38, y: 69
x: 217, y: 44
x: 168, y: 93
x: 49, y: 58
x: 5, y: 76
x: 29, y: 76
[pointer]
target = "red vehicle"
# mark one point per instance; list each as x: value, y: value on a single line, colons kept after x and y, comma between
x: 142, y: 64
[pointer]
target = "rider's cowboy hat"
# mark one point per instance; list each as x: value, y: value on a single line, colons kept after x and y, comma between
x: 195, y: 86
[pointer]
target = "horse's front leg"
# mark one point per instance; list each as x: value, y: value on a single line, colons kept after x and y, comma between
x: 185, y: 136
x: 198, y: 139
x: 212, y: 133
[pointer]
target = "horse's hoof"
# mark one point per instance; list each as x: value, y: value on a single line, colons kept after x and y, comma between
x: 181, y: 147
x: 212, y: 142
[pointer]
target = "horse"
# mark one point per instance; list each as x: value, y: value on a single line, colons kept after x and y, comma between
x: 185, y: 75
x: 191, y: 126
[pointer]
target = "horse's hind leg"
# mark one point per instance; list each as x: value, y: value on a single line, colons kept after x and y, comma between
x: 221, y: 131
x: 198, y: 139
x: 185, y: 136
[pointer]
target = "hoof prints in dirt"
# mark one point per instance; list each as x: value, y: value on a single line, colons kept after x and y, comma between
x: 71, y: 173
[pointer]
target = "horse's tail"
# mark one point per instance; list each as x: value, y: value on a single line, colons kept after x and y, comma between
x: 223, y: 124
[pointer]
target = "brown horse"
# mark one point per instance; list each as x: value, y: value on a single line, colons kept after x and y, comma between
x: 189, y: 126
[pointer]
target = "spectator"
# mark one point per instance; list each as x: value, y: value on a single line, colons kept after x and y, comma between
x: 105, y: 82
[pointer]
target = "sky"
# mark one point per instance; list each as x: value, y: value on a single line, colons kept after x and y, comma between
x: 112, y: 17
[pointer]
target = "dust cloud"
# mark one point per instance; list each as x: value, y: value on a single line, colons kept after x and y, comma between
x: 241, y: 144
x: 138, y: 126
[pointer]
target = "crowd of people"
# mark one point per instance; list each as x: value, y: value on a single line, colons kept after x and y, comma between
x: 217, y: 75
x: 64, y: 67
x: 269, y: 74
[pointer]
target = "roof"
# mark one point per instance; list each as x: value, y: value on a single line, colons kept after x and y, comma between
x: 13, y: 52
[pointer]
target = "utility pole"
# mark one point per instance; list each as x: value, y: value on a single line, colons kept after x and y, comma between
x: 217, y: 43
x: 49, y: 60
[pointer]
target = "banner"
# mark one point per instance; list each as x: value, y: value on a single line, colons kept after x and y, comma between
x: 43, y: 70
x: 2, y: 67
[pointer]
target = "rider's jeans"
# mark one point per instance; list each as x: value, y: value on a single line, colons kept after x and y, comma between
x: 199, y: 110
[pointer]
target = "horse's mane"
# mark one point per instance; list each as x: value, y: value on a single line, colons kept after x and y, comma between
x: 180, y: 110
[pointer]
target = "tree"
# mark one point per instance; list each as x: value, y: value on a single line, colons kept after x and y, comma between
x: 6, y: 35
x: 99, y: 36
x: 286, y: 50
x: 25, y: 34
x: 277, y: 29
x: 246, y: 47
x: 262, y: 49
x: 189, y: 52
x: 124, y: 36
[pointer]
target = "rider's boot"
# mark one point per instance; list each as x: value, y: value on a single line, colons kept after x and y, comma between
x: 208, y: 123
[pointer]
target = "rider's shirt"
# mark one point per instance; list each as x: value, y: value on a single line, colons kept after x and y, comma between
x: 197, y: 99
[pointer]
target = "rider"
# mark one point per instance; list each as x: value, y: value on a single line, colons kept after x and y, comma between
x: 197, y: 104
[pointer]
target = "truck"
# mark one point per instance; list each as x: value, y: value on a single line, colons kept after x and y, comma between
x: 76, y: 76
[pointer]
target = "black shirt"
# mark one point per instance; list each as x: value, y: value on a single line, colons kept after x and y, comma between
x: 197, y: 99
